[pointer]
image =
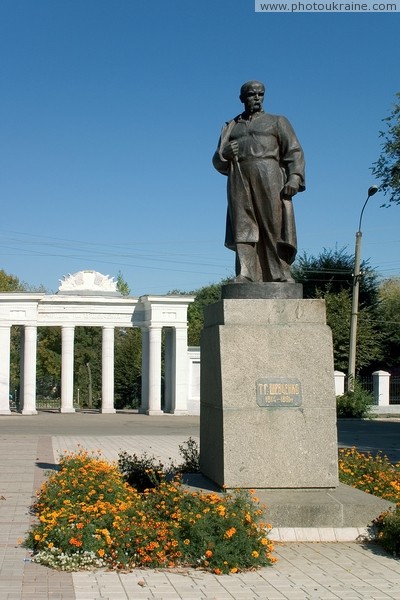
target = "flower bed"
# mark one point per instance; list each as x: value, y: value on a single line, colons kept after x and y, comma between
x: 89, y: 517
x: 373, y: 474
x: 378, y: 476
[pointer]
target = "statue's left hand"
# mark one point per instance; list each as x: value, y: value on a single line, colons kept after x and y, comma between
x: 291, y: 188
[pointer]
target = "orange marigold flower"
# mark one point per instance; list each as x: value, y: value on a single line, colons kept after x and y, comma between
x: 101, y: 552
x: 209, y: 553
x: 234, y: 570
x: 218, y: 571
x: 230, y: 532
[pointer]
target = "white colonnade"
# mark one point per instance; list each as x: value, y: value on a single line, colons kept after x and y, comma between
x: 89, y: 298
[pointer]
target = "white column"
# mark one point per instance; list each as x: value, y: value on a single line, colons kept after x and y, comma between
x: 5, y: 341
x: 107, y: 373
x: 339, y: 383
x: 169, y: 369
x: 381, y: 385
x: 154, y: 407
x: 144, y: 405
x: 180, y: 390
x: 30, y: 351
x: 21, y: 368
x: 67, y: 369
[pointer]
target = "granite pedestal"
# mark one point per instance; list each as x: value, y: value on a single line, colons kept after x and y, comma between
x: 268, y: 406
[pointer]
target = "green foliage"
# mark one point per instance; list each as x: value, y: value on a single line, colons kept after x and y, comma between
x: 387, y: 527
x: 128, y: 368
x: 387, y: 167
x: 145, y: 472
x: 87, y: 517
x: 354, y: 404
x: 389, y: 321
x: 189, y: 450
x: 10, y: 283
x: 141, y: 472
x: 369, y: 339
x: 122, y: 285
x: 48, y: 368
x: 332, y: 271
x: 87, y: 365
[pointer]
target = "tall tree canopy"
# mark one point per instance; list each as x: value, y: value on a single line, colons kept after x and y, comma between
x: 332, y: 271
x: 387, y: 167
x: 389, y: 322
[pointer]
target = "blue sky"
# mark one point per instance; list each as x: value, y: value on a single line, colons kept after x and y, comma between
x: 110, y: 112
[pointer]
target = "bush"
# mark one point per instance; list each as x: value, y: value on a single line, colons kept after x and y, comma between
x: 141, y: 472
x: 387, y: 528
x: 355, y: 404
x: 189, y: 451
x: 145, y: 472
x: 89, y: 517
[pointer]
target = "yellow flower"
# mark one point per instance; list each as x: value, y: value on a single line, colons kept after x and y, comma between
x: 255, y: 554
x: 186, y: 542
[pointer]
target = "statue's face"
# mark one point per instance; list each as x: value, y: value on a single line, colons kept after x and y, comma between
x: 253, y: 98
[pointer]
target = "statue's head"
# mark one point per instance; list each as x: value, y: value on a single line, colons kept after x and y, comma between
x: 252, y: 96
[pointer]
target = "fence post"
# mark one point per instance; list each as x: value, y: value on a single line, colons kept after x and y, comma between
x: 381, y: 386
x: 339, y: 383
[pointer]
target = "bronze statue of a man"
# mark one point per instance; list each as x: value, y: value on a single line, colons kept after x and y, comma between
x: 264, y: 163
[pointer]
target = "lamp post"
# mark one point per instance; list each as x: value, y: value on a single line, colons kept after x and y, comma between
x: 356, y: 288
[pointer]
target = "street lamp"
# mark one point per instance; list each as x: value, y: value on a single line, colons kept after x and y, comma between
x: 354, y: 306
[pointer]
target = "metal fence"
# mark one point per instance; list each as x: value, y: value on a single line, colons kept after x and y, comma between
x: 395, y: 389
x: 367, y: 383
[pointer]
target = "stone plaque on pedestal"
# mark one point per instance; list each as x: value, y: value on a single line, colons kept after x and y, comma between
x: 268, y: 406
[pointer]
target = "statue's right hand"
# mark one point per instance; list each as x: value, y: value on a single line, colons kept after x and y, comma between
x: 230, y: 150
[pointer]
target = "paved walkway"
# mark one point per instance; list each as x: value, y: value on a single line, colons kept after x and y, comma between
x: 30, y: 445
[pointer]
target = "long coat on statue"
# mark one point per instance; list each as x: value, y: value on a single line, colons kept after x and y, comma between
x: 269, y: 153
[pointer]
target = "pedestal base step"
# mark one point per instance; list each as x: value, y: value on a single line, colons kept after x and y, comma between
x: 295, y: 509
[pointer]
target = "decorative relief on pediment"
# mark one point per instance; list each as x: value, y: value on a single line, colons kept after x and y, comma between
x: 88, y: 282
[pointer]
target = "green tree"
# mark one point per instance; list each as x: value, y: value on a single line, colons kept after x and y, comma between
x: 48, y: 369
x: 87, y: 365
x: 387, y: 167
x: 332, y: 270
x: 338, y: 315
x: 10, y: 283
x: 389, y: 321
x: 128, y: 367
x: 122, y: 285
